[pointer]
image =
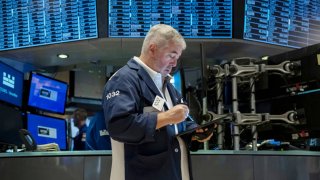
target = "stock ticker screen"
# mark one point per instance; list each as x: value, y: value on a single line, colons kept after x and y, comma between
x: 25, y: 23
x: 193, y: 19
x: 294, y: 23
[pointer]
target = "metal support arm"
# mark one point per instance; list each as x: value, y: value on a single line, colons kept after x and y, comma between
x: 289, y: 117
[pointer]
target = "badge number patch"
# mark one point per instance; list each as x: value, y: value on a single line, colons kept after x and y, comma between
x: 113, y: 94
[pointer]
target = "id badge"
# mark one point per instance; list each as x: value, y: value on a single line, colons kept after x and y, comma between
x: 158, y: 103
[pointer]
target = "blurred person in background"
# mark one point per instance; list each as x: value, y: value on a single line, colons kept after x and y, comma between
x: 97, y: 137
x: 79, y: 120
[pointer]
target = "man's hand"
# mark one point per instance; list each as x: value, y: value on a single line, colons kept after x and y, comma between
x: 203, y: 135
x: 174, y: 115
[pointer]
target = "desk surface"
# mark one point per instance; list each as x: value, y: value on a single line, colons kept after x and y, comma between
x: 200, y: 152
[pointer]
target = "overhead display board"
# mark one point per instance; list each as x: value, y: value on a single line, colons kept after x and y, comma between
x: 292, y: 23
x: 192, y: 18
x: 26, y: 23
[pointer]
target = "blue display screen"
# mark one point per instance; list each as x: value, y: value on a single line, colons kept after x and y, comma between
x: 176, y: 81
x: 47, y: 94
x: 193, y: 19
x: 25, y: 23
x: 47, y: 129
x: 11, y: 85
x: 292, y: 23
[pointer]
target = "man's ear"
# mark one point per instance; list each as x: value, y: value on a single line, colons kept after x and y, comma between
x: 152, y: 48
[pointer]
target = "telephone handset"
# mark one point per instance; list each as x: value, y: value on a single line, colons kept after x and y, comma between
x: 28, y: 140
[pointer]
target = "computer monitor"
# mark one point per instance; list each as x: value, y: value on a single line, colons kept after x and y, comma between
x: 47, y: 129
x: 81, y: 80
x: 10, y: 124
x: 35, y: 23
x: 47, y: 94
x: 285, y: 23
x: 177, y: 81
x: 205, y: 19
x: 11, y: 85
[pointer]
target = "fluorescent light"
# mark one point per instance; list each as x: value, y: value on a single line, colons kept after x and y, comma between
x: 63, y: 56
x: 264, y: 58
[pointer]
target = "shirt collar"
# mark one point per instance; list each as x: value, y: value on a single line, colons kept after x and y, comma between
x: 155, y: 76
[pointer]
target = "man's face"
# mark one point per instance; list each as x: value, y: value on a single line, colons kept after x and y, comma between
x: 165, y: 58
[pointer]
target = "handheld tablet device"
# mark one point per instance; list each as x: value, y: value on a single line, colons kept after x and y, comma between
x: 205, y: 125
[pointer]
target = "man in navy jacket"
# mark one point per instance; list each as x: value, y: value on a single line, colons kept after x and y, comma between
x: 143, y: 112
x: 97, y: 137
x: 79, y: 119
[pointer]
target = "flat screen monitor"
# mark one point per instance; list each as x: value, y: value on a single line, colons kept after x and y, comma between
x: 47, y: 129
x: 193, y: 19
x: 292, y: 23
x: 10, y: 124
x: 11, y: 85
x: 38, y: 22
x: 47, y: 94
x: 84, y: 79
x: 177, y: 81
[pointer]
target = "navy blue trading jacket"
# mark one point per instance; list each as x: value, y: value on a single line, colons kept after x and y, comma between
x: 139, y: 151
x: 97, y: 136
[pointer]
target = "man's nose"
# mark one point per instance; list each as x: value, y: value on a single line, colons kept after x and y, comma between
x: 174, y: 62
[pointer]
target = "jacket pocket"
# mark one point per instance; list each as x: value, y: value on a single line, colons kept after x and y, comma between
x: 149, y: 162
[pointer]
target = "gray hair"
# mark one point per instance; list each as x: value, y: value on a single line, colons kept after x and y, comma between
x: 160, y: 35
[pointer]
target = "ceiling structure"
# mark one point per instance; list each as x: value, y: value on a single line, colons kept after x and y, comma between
x: 100, y: 52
